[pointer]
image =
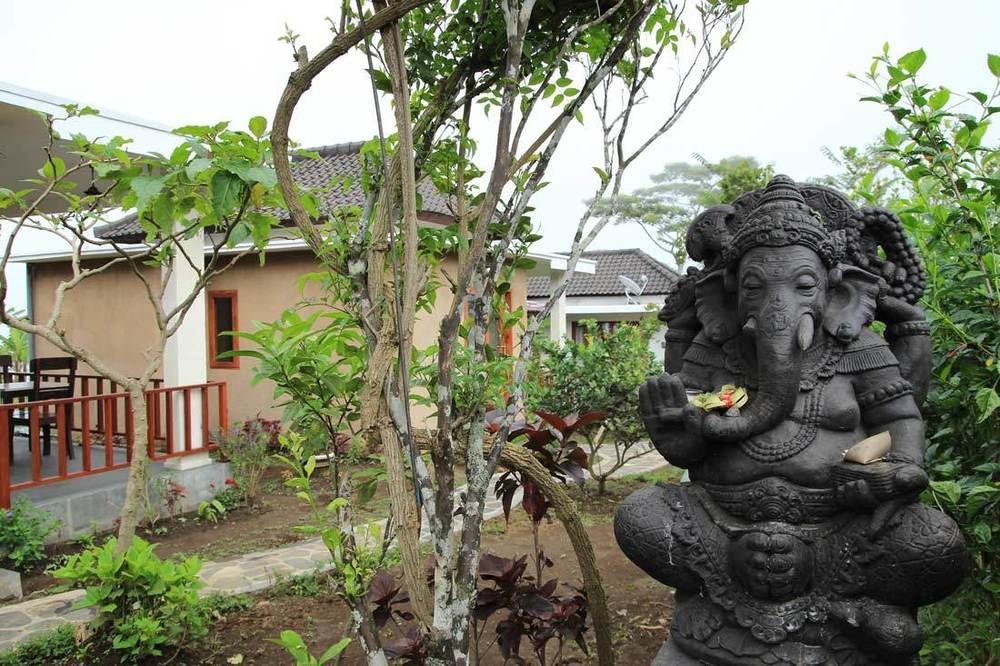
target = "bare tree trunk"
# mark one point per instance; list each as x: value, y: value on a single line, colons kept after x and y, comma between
x: 136, y: 488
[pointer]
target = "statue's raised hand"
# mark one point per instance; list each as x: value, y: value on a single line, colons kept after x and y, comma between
x: 674, y: 426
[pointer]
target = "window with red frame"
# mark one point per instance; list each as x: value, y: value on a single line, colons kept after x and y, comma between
x: 222, y: 317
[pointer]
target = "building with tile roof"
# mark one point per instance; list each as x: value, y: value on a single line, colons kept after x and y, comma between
x: 336, y: 175
x: 625, y: 286
x: 246, y: 293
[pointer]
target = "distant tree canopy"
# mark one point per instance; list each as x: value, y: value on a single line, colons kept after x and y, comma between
x: 682, y: 190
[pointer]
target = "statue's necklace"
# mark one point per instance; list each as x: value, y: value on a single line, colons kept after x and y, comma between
x: 814, y: 380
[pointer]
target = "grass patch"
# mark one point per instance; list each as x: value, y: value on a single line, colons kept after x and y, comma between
x: 303, y: 585
x: 667, y: 474
x: 53, y: 648
x: 495, y: 527
x: 221, y: 605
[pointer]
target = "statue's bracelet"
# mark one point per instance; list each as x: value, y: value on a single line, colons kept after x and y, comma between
x: 904, y: 328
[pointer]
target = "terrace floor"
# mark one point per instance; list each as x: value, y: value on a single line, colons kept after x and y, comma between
x: 20, y: 467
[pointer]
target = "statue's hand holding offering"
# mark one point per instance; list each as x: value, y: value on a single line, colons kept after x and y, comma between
x: 889, y: 486
x: 673, y: 425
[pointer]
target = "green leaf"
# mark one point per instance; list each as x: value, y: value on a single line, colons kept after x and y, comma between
x: 602, y: 174
x: 145, y: 188
x: 197, y: 166
x: 987, y: 402
x: 226, y: 191
x: 949, y: 489
x: 993, y: 62
x: 258, y: 125
x: 53, y: 168
x: 983, y: 532
x: 939, y: 99
x: 334, y: 650
x: 263, y: 175
x: 892, y: 137
x: 912, y: 61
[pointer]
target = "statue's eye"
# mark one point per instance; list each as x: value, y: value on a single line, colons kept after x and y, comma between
x: 752, y: 285
x: 806, y: 284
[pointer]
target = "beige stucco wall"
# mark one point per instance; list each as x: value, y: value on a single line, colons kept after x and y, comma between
x: 107, y: 313
x: 110, y: 315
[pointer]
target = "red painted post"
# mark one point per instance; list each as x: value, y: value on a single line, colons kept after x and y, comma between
x: 114, y: 409
x: 150, y: 426
x: 85, y: 434
x: 187, y: 419
x: 36, y: 445
x: 62, y: 433
x: 5, y: 446
x: 169, y: 398
x: 100, y: 405
x: 109, y: 433
x: 157, y: 430
x: 204, y: 415
x: 223, y: 407
x: 129, y: 428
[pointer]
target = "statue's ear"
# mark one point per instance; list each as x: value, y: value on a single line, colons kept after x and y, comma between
x: 853, y: 294
x: 716, y: 307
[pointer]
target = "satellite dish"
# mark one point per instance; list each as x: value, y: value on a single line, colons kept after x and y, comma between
x: 633, y: 288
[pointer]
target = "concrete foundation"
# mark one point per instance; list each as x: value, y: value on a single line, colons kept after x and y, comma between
x: 93, y: 503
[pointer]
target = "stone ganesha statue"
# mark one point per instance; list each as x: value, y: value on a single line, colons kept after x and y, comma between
x: 780, y: 550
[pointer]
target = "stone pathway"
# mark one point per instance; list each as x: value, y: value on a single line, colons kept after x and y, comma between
x: 247, y: 573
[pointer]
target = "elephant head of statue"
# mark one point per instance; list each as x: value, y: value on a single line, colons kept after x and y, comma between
x: 790, y: 291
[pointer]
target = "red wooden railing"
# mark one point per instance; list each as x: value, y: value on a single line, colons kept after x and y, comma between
x: 85, y: 385
x: 106, y: 418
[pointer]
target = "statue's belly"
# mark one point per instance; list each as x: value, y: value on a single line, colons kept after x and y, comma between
x: 811, y: 467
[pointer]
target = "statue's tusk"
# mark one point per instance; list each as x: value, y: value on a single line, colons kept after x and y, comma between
x: 805, y: 332
x: 750, y: 327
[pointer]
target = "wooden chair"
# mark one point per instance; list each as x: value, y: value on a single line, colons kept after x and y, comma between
x: 49, y: 391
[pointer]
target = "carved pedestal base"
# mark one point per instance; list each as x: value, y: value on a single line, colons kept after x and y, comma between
x: 670, y: 655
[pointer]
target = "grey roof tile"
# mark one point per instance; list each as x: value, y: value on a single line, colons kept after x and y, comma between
x: 336, y: 160
x: 632, y: 263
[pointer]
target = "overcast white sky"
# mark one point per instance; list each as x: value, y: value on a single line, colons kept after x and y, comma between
x: 781, y: 95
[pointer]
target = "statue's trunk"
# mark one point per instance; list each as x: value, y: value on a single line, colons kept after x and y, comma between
x: 779, y: 369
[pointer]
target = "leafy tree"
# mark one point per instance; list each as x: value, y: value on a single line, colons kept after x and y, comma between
x: 315, y: 356
x: 533, y: 67
x: 864, y: 175
x: 682, y: 190
x: 217, y: 182
x: 602, y: 373
x: 949, y: 199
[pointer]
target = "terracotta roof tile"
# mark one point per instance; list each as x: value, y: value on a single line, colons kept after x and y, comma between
x: 632, y: 263
x: 337, y: 160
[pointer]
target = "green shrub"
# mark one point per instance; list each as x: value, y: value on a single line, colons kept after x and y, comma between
x: 297, y: 649
x: 145, y: 605
x: 962, y: 629
x: 232, y: 496
x: 248, y: 447
x: 23, y: 529
x: 211, y: 510
x: 601, y: 373
x: 220, y: 605
x: 53, y: 648
x: 304, y: 585
x: 941, y: 160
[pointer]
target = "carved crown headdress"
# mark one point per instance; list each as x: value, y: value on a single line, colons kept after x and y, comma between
x: 788, y: 213
x: 782, y: 218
